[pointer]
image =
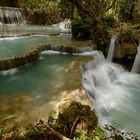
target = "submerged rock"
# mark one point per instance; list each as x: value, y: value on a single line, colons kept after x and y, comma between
x: 73, y: 70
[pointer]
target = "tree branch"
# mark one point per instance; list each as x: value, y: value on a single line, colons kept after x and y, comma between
x: 110, y: 6
x: 81, y: 7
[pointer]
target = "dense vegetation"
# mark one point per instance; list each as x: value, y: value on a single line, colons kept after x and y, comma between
x: 75, y: 121
x: 94, y: 13
x: 9, y: 3
x: 91, y: 19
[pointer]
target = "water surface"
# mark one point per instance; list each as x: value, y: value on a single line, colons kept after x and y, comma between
x: 27, y: 92
x: 17, y: 46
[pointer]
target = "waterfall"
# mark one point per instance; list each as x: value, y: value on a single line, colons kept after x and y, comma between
x: 1, y: 16
x: 99, y: 59
x: 111, y: 50
x: 114, y: 92
x: 136, y: 65
x: 9, y: 15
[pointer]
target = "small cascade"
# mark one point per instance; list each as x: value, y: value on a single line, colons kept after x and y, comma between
x: 1, y: 16
x: 9, y: 15
x: 65, y: 26
x: 85, y: 49
x: 115, y: 93
x: 99, y: 59
x: 111, y: 49
x: 136, y: 65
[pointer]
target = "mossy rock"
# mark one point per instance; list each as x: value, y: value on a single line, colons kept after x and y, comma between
x: 128, y: 36
x: 73, y: 116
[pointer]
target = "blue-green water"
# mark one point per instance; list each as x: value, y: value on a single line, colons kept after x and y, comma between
x: 25, y: 29
x: 43, y: 76
x: 29, y: 91
x: 18, y: 46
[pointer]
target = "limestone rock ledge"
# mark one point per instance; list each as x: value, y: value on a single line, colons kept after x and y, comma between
x: 13, y: 62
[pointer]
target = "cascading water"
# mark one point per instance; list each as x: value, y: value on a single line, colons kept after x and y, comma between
x: 136, y: 65
x: 65, y: 26
x: 99, y: 60
x: 11, y: 15
x: 111, y: 48
x: 115, y: 93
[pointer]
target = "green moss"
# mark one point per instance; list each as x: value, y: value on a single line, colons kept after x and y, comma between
x: 74, y: 115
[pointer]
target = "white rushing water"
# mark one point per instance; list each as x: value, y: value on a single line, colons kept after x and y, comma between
x: 65, y: 26
x: 10, y: 15
x: 136, y: 65
x: 115, y: 93
x: 9, y: 72
x: 111, y: 50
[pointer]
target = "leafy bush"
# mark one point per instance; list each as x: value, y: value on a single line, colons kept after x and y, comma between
x: 80, y: 29
x: 83, y: 29
x: 34, y: 131
x: 137, y: 26
x: 109, y: 21
x: 107, y: 132
x: 102, y: 39
x: 1, y: 132
x: 41, y: 11
x: 128, y: 36
x: 66, y: 9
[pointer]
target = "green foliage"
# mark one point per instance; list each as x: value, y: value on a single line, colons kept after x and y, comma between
x: 42, y: 131
x: 4, y: 2
x: 7, y: 118
x: 138, y: 7
x: 109, y: 21
x: 9, y: 3
x: 31, y: 5
x: 91, y: 22
x: 97, y: 134
x: 116, y: 133
x: 40, y: 11
x: 80, y: 29
x: 101, y: 36
x: 66, y: 8
x: 33, y: 131
x: 81, y: 135
x: 137, y: 26
x: 128, y: 9
x: 1, y: 131
x: 14, y: 135
x: 73, y: 114
x: 107, y: 132
x: 93, y: 8
x: 128, y: 36
x: 83, y: 28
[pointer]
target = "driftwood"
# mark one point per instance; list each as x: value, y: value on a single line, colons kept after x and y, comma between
x: 57, y: 134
